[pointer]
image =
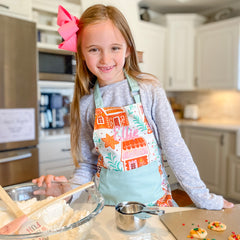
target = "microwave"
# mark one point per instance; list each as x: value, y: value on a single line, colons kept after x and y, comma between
x: 56, y: 66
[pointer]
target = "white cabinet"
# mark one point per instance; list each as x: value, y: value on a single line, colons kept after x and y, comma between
x: 17, y: 8
x: 128, y: 8
x: 45, y: 14
x: 209, y: 149
x: 170, y: 175
x: 55, y: 157
x: 233, y: 190
x: 149, y: 37
x: 180, y: 46
x: 151, y: 42
x: 218, y: 55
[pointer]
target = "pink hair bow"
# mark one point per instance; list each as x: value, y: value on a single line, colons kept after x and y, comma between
x: 68, y: 29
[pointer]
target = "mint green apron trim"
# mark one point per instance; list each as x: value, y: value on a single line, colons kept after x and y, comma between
x: 133, y: 86
x: 97, y: 96
x: 119, y: 186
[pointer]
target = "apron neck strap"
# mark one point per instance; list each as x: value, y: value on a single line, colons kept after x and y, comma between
x: 133, y: 86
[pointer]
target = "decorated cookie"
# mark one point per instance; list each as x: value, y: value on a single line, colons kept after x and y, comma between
x: 198, y: 233
x: 217, y: 226
x: 234, y: 236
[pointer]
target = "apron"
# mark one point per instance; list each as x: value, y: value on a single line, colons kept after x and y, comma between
x: 129, y: 164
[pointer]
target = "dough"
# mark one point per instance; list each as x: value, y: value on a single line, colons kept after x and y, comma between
x: 217, y: 226
x: 234, y: 237
x: 198, y: 233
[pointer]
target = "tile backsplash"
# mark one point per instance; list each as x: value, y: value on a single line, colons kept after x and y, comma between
x: 212, y: 104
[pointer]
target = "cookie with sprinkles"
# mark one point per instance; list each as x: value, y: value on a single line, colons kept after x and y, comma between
x: 199, y: 233
x: 234, y: 236
x: 217, y: 226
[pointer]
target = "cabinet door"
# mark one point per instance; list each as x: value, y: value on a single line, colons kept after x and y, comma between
x: 17, y: 8
x: 233, y: 190
x: 181, y: 51
x: 151, y: 41
x: 209, y: 149
x: 217, y: 55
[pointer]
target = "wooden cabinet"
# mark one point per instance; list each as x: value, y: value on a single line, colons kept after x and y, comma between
x: 233, y: 190
x: 180, y: 56
x: 218, y: 55
x: 55, y: 157
x: 209, y: 149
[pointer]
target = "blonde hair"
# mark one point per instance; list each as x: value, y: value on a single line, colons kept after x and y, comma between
x: 84, y: 78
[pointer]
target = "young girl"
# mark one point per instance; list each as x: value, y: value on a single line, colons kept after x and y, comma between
x: 121, y: 121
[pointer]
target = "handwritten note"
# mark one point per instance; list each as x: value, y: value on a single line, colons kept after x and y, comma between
x: 17, y: 124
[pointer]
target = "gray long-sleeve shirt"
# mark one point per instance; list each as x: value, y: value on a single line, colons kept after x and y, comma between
x: 162, y: 121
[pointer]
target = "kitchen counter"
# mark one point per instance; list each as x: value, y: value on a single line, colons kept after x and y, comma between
x: 223, y: 124
x: 54, y: 133
x: 104, y: 227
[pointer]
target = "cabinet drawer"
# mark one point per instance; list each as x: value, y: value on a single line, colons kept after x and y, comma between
x: 54, y: 149
x: 62, y: 167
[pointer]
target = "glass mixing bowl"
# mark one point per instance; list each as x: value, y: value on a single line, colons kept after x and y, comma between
x: 83, y: 208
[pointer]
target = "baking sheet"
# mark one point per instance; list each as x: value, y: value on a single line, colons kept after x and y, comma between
x: 180, y: 223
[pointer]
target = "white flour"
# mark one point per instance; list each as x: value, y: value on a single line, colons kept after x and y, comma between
x: 55, y: 216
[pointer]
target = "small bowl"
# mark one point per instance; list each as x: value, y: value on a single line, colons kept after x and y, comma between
x: 125, y: 218
x: 86, y: 206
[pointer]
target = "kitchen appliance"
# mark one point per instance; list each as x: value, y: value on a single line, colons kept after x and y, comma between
x: 191, y: 111
x: 18, y: 101
x: 180, y: 223
x: 58, y: 66
x: 51, y: 110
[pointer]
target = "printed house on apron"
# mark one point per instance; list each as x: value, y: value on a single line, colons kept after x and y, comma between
x: 110, y: 117
x: 134, y: 151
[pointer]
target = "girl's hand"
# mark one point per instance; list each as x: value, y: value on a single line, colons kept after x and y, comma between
x: 50, y: 185
x: 227, y: 204
x: 48, y: 180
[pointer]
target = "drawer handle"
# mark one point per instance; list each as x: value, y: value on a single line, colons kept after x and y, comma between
x: 14, y: 158
x: 65, y: 149
x: 4, y: 6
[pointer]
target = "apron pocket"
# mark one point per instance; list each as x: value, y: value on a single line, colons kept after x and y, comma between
x: 140, y: 184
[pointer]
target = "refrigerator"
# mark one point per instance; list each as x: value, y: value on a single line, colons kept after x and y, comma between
x: 18, y: 101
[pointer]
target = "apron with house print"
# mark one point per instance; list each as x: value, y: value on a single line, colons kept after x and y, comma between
x: 129, y: 162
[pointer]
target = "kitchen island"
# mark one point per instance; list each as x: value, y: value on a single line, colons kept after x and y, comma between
x: 104, y: 227
x: 186, y: 218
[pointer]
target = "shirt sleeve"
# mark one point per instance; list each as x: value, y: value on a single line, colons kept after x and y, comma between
x: 177, y: 153
x: 88, y: 165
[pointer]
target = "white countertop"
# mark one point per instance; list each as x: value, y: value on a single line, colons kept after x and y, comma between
x: 45, y: 134
x: 104, y: 227
x: 222, y: 124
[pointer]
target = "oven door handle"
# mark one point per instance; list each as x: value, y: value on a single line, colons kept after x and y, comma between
x: 14, y: 158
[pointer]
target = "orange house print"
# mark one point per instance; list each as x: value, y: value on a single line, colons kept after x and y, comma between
x: 110, y: 117
x: 134, y: 153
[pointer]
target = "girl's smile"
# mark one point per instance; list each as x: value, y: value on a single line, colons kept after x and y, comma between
x: 104, y: 49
